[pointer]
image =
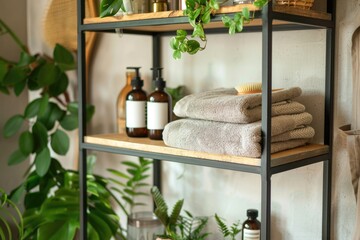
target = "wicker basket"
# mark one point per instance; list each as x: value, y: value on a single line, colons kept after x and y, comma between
x: 303, y: 4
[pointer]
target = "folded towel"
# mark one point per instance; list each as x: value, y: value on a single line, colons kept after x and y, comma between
x: 238, y: 139
x: 224, y: 105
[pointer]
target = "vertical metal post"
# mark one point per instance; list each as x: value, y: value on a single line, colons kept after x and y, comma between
x: 82, y: 120
x: 156, y: 41
x: 266, y: 121
x: 328, y: 132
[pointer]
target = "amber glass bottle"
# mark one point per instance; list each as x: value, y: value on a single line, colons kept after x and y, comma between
x: 136, y: 108
x: 158, y: 108
x: 251, y: 227
x: 121, y: 100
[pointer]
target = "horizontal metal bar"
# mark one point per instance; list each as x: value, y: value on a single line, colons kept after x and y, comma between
x: 299, y: 163
x: 304, y: 20
x: 174, y: 158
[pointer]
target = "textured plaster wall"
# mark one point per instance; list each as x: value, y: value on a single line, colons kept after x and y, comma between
x: 298, y: 61
x: 10, y: 105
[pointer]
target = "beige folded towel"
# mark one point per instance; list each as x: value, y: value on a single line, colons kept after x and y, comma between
x: 224, y: 105
x: 238, y: 139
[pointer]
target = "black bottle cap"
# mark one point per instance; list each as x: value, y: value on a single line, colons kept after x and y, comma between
x: 159, y: 81
x: 252, y: 213
x: 136, y: 81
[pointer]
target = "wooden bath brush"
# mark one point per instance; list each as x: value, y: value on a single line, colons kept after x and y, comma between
x: 251, y: 88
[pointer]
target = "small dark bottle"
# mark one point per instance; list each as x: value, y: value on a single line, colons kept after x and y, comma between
x: 158, y: 108
x: 251, y: 227
x: 136, y: 108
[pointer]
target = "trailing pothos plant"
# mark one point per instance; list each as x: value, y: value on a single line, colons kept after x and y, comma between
x: 199, y: 13
x: 51, y: 192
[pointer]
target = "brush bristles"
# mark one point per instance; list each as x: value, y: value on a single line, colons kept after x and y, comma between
x: 248, y: 88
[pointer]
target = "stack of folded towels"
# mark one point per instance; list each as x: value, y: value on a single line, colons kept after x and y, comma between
x: 221, y: 121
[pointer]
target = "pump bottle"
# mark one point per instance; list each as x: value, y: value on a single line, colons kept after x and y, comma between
x: 158, y: 108
x: 251, y: 227
x: 121, y: 100
x: 136, y: 108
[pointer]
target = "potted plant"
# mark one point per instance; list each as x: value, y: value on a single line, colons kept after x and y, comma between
x: 177, y: 227
x: 228, y: 232
x: 199, y: 13
x: 51, y: 192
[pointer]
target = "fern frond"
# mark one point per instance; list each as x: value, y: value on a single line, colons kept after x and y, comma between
x: 222, y: 226
x: 158, y: 199
x: 176, y: 212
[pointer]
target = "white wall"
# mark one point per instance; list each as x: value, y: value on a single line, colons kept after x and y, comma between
x: 298, y: 61
x: 10, y: 105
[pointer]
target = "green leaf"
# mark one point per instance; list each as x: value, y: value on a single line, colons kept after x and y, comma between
x: 226, y: 20
x: 181, y: 33
x: 52, y: 114
x: 12, y: 125
x: 16, y: 158
x: 199, y: 32
x: 64, y: 58
x: 174, y: 43
x: 58, y: 230
x: 90, y: 111
x: 40, y: 136
x: 4, y: 89
x: 240, y: 25
x: 48, y: 74
x: 17, y: 193
x: 110, y: 7
x: 43, y: 104
x: 32, y: 109
x: 3, y: 70
x: 193, y: 46
x: 73, y: 107
x: 206, y: 17
x: 15, y: 75
x: 34, y: 199
x: 177, y: 54
x: 42, y: 162
x: 69, y: 122
x: 19, y: 88
x: 60, y: 142
x: 246, y: 13
x: 26, y: 143
x: 59, y: 86
x: 232, y: 28
x: 25, y: 59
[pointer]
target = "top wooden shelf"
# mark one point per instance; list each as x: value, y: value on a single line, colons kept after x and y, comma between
x: 172, y: 20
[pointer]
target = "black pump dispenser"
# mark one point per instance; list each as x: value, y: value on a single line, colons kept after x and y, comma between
x: 159, y: 81
x: 136, y: 81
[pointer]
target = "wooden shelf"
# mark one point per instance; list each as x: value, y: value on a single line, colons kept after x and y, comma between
x: 149, y: 21
x: 147, y: 145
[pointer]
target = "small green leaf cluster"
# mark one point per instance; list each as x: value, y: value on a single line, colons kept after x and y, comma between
x: 130, y: 184
x: 10, y: 216
x: 178, y: 227
x: 228, y: 231
x: 110, y: 7
x: 237, y: 23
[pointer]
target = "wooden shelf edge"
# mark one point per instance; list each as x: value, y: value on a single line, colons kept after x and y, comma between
x: 222, y: 10
x: 147, y: 145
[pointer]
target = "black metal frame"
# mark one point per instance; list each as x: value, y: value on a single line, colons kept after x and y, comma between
x: 266, y: 170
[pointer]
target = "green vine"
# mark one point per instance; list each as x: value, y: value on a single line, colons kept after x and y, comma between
x: 199, y: 13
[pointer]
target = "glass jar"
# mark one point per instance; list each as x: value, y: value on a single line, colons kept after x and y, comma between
x: 143, y: 226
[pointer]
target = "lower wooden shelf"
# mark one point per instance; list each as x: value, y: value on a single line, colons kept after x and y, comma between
x: 147, y: 145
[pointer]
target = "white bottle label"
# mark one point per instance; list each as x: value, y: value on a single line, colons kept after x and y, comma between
x: 251, y: 234
x: 157, y: 115
x: 135, y: 114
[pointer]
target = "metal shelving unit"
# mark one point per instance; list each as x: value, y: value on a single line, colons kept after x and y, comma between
x: 270, y: 19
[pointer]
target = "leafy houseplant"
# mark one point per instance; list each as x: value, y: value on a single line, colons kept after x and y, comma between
x: 199, y: 13
x: 129, y: 184
x: 9, y: 214
x: 51, y: 192
x: 228, y: 231
x: 178, y: 227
